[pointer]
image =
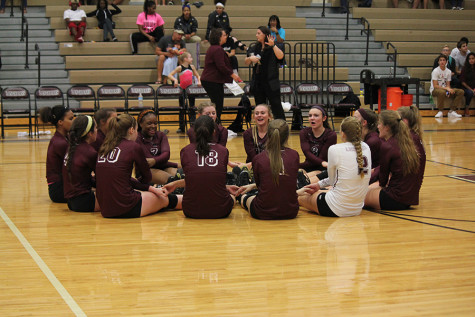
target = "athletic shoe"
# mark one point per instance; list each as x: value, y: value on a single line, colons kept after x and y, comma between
x: 170, y: 3
x: 460, y: 8
x: 237, y: 170
x: 302, y: 179
x: 114, y: 39
x: 198, y: 4
x: 243, y: 178
x: 453, y: 114
x: 439, y: 114
x: 230, y: 178
x: 80, y: 39
x: 180, y: 130
x: 454, y: 8
x: 180, y: 174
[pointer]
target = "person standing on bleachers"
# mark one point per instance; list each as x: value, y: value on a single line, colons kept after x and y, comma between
x: 76, y: 21
x: 150, y: 25
x: 188, y: 24
x: 460, y: 55
x: 441, y: 90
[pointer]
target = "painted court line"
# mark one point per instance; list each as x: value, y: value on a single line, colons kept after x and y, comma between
x: 42, y: 265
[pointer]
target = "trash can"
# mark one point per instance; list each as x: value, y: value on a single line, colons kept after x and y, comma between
x: 407, y: 100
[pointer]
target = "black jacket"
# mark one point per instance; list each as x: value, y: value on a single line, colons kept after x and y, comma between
x: 188, y: 26
x: 217, y: 21
x: 101, y: 15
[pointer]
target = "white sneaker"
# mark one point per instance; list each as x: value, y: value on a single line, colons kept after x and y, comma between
x: 454, y: 8
x: 453, y: 114
x: 460, y: 8
x: 439, y: 114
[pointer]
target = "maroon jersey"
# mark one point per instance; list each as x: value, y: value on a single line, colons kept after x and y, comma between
x: 157, y: 148
x: 276, y: 201
x: 115, y: 187
x: 79, y: 180
x: 206, y: 195
x: 401, y: 188
x: 315, y: 149
x: 251, y: 148
x: 220, y: 135
x: 58, y: 145
x: 99, y: 140
x: 374, y: 143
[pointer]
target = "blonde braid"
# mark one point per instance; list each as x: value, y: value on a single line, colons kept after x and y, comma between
x: 351, y: 126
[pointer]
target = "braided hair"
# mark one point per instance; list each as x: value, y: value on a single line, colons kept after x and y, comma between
x: 351, y: 126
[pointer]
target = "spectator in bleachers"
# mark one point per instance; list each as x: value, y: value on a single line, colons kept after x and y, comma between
x: 150, y: 25
x: 217, y: 19
x: 450, y: 65
x: 104, y: 18
x: 2, y: 6
x: 277, y: 32
x: 75, y: 20
x: 230, y: 48
x: 188, y: 24
x: 441, y: 90
x: 168, y: 49
x: 460, y: 55
x: 468, y: 80
x: 457, y: 4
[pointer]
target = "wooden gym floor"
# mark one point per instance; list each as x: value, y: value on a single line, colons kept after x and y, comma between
x: 419, y: 262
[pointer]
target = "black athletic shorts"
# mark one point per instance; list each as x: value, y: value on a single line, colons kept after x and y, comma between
x: 83, y: 203
x: 387, y: 203
x: 135, y: 212
x: 56, y: 192
x: 323, y: 208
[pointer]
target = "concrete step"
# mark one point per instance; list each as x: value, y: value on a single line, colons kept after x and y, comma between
x: 33, y: 39
x: 31, y: 46
x: 33, y: 66
x: 13, y: 74
x: 15, y: 27
x: 5, y: 21
x: 9, y: 34
x: 30, y: 53
x: 32, y: 81
x: 45, y: 60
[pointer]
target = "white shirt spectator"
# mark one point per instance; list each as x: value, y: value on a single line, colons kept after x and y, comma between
x: 442, y: 77
x: 74, y: 15
x: 459, y: 58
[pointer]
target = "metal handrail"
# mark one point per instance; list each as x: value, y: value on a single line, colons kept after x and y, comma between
x: 363, y: 21
x: 38, y: 62
x: 347, y: 22
x: 323, y: 9
x: 11, y: 9
x: 23, y: 22
x: 393, y: 56
x: 26, y: 46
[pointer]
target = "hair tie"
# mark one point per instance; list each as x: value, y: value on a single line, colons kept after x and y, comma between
x: 324, y: 114
x: 143, y: 114
x: 363, y: 114
x: 399, y: 119
x: 88, y: 127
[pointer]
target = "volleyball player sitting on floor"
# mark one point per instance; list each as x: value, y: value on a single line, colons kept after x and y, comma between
x: 315, y: 141
x: 349, y: 168
x: 255, y: 137
x: 62, y: 119
x: 102, y: 117
x: 220, y: 134
x: 400, y: 171
x: 411, y: 116
x: 275, y: 172
x: 205, y: 164
x: 116, y: 192
x: 156, y: 148
x: 369, y: 133
x: 79, y: 163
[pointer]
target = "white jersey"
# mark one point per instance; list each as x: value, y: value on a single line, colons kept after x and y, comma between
x: 346, y: 199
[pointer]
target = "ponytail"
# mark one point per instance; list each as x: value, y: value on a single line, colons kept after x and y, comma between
x: 413, y: 117
x: 53, y: 115
x: 351, y: 126
x: 204, y: 129
x: 81, y: 126
x: 118, y: 128
x: 278, y: 134
x: 401, y: 132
